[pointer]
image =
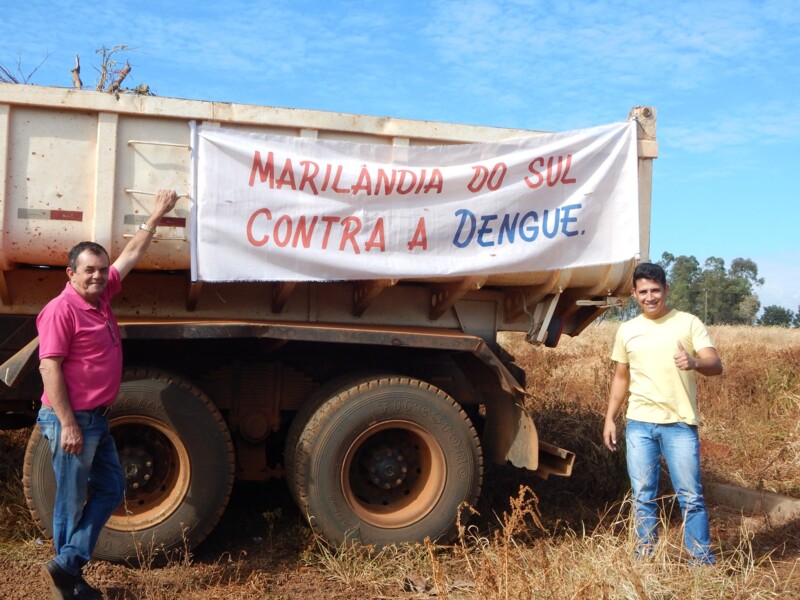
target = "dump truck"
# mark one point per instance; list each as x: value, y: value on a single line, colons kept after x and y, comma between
x: 377, y: 397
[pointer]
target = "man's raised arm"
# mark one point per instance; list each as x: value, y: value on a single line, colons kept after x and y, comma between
x: 136, y: 248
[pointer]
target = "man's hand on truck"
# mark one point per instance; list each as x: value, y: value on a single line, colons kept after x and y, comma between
x: 136, y: 248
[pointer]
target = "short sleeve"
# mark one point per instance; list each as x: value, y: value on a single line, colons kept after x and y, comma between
x: 618, y: 351
x: 56, y: 328
x: 114, y: 285
x: 700, y: 337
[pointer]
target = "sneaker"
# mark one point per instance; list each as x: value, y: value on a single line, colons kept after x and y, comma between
x: 84, y: 591
x: 62, y: 584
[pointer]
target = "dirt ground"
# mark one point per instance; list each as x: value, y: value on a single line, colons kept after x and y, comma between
x: 259, y: 544
x: 260, y: 550
x: 262, y: 547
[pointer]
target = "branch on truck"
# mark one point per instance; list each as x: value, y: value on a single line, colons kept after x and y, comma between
x: 114, y: 86
x: 76, y: 73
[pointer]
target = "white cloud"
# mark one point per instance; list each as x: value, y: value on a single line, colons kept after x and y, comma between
x: 781, y: 273
x: 520, y: 61
x: 596, y: 51
x: 748, y: 124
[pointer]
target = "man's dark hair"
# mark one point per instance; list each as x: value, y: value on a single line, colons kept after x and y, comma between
x: 78, y: 249
x: 649, y: 271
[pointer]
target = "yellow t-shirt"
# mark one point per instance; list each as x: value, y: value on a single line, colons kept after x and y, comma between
x: 659, y: 391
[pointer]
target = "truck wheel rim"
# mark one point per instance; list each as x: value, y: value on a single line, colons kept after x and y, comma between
x: 157, y: 472
x: 393, y: 474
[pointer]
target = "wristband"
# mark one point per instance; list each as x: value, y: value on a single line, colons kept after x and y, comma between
x: 147, y: 228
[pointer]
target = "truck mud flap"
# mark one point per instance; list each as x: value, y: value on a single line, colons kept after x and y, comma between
x: 511, y: 437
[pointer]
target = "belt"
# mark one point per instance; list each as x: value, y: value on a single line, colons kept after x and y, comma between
x: 101, y: 411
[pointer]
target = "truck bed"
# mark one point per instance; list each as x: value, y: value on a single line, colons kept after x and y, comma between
x: 81, y: 165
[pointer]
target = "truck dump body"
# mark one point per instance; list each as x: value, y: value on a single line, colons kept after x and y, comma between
x: 377, y: 399
x: 81, y: 165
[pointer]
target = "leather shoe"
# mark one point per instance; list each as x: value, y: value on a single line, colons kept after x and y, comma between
x: 84, y: 591
x: 62, y: 584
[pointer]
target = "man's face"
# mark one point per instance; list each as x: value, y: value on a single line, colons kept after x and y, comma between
x: 90, y: 276
x: 651, y: 297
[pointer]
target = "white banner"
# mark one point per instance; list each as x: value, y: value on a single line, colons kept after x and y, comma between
x: 275, y: 208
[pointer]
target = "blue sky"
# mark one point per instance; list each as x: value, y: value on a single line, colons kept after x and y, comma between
x: 724, y: 77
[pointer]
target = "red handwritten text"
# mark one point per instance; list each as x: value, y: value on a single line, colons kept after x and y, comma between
x: 554, y: 174
x: 315, y: 178
x: 320, y: 231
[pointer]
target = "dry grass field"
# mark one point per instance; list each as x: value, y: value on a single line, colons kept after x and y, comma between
x: 749, y: 414
x: 562, y: 538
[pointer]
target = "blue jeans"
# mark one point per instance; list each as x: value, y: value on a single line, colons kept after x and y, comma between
x: 89, y: 486
x: 680, y: 446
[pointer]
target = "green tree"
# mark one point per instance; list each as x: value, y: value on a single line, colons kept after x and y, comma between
x: 713, y: 285
x: 683, y: 273
x: 716, y: 294
x: 745, y: 271
x: 748, y: 309
x: 777, y: 315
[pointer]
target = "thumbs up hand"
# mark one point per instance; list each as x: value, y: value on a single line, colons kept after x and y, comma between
x: 683, y: 360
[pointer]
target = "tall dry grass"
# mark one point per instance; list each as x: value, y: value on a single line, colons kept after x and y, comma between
x: 520, y: 559
x: 750, y: 415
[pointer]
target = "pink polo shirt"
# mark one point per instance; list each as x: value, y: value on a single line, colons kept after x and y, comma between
x: 88, y: 339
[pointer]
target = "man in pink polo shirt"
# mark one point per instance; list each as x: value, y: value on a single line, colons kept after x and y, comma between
x: 81, y: 366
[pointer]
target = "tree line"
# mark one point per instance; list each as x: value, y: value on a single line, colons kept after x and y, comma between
x: 716, y: 294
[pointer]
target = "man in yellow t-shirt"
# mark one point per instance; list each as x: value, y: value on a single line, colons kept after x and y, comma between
x: 657, y: 355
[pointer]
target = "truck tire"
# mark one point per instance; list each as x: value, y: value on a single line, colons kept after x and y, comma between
x: 178, y: 459
x: 301, y: 418
x: 385, y: 461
